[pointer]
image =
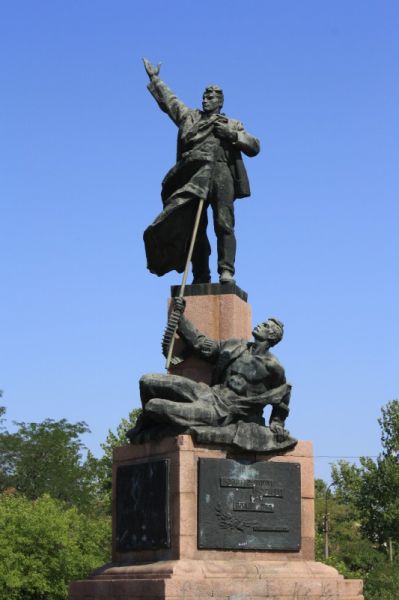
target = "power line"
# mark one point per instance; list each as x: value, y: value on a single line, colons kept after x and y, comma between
x: 368, y: 456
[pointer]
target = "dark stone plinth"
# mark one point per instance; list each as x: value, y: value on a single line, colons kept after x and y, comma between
x: 142, y: 506
x: 253, y: 506
x: 210, y: 289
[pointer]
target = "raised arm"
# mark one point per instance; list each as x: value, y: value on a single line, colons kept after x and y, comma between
x: 166, y: 99
x: 197, y: 342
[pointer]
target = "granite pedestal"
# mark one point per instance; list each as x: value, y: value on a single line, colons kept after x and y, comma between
x: 185, y: 571
x: 160, y: 551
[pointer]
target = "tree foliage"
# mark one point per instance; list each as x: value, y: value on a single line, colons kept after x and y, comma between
x: 47, y: 458
x: 349, y: 551
x: 382, y: 582
x: 363, y: 511
x: 103, y: 466
x: 44, y: 546
x: 54, y: 506
x: 373, y: 487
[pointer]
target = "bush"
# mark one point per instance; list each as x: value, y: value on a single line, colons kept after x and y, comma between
x: 44, y: 545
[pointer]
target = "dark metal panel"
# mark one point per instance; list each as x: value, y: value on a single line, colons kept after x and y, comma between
x: 142, y: 506
x: 249, y: 506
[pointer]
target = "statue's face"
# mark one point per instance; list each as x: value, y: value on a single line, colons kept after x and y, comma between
x: 262, y: 331
x: 211, y: 101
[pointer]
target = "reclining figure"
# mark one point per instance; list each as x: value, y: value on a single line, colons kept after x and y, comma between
x: 246, y: 378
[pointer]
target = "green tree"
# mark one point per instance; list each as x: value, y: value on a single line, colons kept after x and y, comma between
x: 44, y: 546
x: 102, y: 467
x: 382, y: 582
x: 364, y: 514
x: 47, y: 458
x: 373, y: 487
x: 49, y: 532
x: 349, y: 551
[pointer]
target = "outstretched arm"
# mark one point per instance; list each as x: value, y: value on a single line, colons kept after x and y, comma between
x: 196, y: 341
x: 166, y: 99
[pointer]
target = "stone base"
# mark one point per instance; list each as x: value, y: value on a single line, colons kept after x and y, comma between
x: 217, y: 580
x: 184, y: 453
x: 180, y: 569
x: 185, y: 572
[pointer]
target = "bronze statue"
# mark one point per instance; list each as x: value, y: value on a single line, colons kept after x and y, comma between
x: 246, y: 378
x: 210, y: 168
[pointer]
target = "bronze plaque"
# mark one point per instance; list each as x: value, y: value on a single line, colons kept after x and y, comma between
x: 249, y: 506
x: 142, y: 506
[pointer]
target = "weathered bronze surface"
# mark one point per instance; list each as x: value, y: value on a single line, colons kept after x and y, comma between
x: 249, y: 506
x: 246, y: 378
x: 209, y: 166
x: 142, y: 512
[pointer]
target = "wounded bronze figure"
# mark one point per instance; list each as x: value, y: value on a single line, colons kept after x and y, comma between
x: 246, y: 378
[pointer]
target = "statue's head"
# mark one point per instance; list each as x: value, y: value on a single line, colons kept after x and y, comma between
x: 212, y: 99
x: 270, y: 331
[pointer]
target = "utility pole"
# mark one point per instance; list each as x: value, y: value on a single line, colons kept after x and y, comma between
x: 326, y: 551
x: 326, y: 523
x: 390, y: 547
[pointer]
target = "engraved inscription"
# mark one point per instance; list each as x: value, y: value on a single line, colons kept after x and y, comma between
x: 244, y: 483
x: 285, y: 529
x: 267, y: 486
x: 249, y: 506
x: 273, y: 493
x: 253, y: 506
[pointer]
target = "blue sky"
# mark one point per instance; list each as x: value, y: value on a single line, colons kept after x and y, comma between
x: 83, y: 149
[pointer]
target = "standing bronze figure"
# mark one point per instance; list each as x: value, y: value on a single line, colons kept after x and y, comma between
x: 209, y: 167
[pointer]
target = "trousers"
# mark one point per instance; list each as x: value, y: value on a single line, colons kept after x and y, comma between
x: 178, y: 400
x: 221, y: 200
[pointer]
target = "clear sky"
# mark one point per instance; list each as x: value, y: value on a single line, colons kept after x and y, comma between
x: 83, y: 150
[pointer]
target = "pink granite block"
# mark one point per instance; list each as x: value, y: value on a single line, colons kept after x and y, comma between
x: 184, y: 514
x: 307, y: 518
x: 186, y: 480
